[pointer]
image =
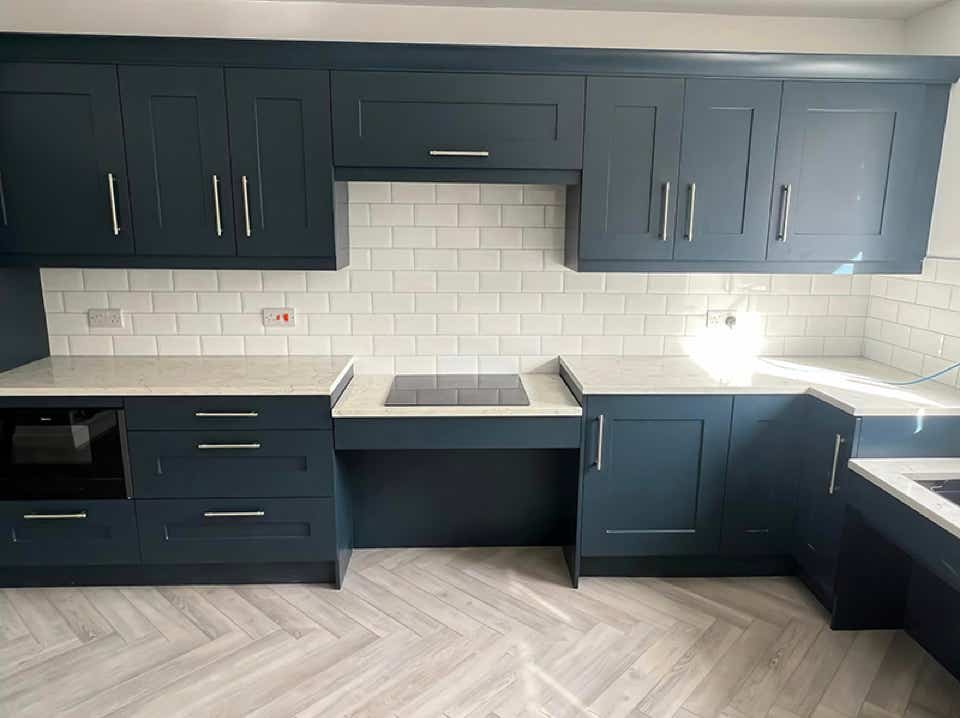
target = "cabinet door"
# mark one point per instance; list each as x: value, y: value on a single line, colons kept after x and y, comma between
x: 821, y: 497
x: 282, y: 166
x: 846, y: 167
x: 726, y: 168
x: 653, y: 475
x: 428, y: 119
x: 760, y: 496
x: 63, y: 178
x: 175, y: 123
x: 631, y: 152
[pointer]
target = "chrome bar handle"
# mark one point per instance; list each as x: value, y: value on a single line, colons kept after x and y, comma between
x: 836, y: 457
x: 785, y: 193
x: 459, y: 153
x: 232, y: 514
x: 599, y: 461
x: 666, y: 211
x: 226, y: 414
x: 3, y: 203
x: 230, y: 447
x: 246, y: 203
x: 111, y: 184
x: 216, y: 205
x: 691, y: 210
x: 78, y: 515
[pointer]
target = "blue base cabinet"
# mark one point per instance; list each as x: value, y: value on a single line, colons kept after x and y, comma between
x: 653, y: 475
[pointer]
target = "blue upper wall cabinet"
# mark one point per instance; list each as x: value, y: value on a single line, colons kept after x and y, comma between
x: 63, y: 176
x: 441, y: 120
x: 175, y: 122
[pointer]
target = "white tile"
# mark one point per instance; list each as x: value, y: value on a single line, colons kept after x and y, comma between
x: 604, y: 303
x: 948, y: 271
x: 498, y: 364
x: 457, y: 365
x: 458, y: 324
x: 933, y: 295
x: 104, y: 279
x: 457, y: 281
x: 521, y: 302
x: 914, y: 315
x: 543, y: 194
x: 499, y: 324
x: 708, y: 283
x: 791, y: 284
x: 501, y: 194
x: 308, y: 302
x: 541, y: 324
x: 222, y: 346
x: 601, y: 345
x: 413, y: 192
x: 643, y: 346
x: 176, y: 302
x: 542, y: 238
x: 809, y: 305
x: 686, y: 304
x: 309, y: 346
x: 478, y: 215
x: 53, y: 302
x: 803, y: 346
x: 436, y: 345
x: 926, y: 342
x: 458, y: 237
x: 434, y: 259
x: 258, y: 301
x: 500, y: 281
x: 91, y: 346
x: 527, y: 346
x: 542, y: 281
x: 476, y: 260
x: 435, y: 303
x: 415, y: 324
x: 627, y: 282
x: 479, y: 303
x: 848, y: 306
x: 369, y: 192
x: 131, y: 301
x: 240, y: 280
x: 435, y: 215
x: 501, y: 237
x: 394, y: 345
x: 391, y: 258
x: 200, y: 324
x: 415, y: 281
x: 386, y: 302
x: 59, y: 346
x: 328, y: 281
x: 82, y: 301
x: 902, y: 290
x: 457, y: 193
x: 584, y: 282
x: 178, y: 346
x: 134, y: 346
x: 566, y: 303
x: 54, y: 280
x: 372, y: 324
x: 786, y: 326
x: 554, y: 216
x: 832, y: 284
x: 521, y: 259
x: 195, y: 280
x: 146, y: 324
x: 479, y: 345
x: 390, y: 215
x: 667, y: 283
x: 374, y: 365
x: 219, y: 302
x: 372, y: 281
x: 350, y: 303
x: 265, y: 346
x: 948, y: 322
x: 826, y: 326
x: 358, y: 215
x: 415, y: 365
x: 522, y: 216
x: 328, y: 324
x: 152, y: 280
x: 664, y: 325
x: 582, y: 324
x: 414, y: 237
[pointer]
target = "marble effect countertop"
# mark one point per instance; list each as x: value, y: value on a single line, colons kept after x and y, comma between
x: 176, y: 376
x: 894, y: 477
x: 364, y: 397
x: 852, y: 384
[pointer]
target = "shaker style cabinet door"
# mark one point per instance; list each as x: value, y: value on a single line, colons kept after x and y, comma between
x: 175, y: 119
x: 847, y: 163
x: 654, y: 475
x: 631, y: 154
x: 457, y: 120
x: 282, y: 164
x: 726, y: 169
x: 63, y: 176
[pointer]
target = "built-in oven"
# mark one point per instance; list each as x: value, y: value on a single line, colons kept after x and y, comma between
x: 63, y: 453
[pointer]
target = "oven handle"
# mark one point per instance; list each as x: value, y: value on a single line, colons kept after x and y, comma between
x: 78, y: 515
x: 226, y: 414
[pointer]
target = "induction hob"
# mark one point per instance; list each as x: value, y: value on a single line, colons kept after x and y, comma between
x: 457, y: 390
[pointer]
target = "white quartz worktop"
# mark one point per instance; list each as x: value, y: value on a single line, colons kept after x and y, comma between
x: 853, y: 384
x: 365, y: 395
x: 175, y: 376
x: 896, y: 477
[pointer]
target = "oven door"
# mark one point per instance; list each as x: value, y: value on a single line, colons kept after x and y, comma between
x: 62, y: 454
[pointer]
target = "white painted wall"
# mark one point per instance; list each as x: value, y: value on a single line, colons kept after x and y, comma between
x: 285, y: 19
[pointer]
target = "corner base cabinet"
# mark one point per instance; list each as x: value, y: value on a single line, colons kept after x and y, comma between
x: 653, y: 475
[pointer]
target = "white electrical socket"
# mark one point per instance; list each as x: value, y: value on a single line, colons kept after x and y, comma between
x: 282, y: 317
x: 720, y: 318
x: 105, y: 318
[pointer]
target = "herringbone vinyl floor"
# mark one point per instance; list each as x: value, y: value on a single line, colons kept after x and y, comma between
x: 480, y: 633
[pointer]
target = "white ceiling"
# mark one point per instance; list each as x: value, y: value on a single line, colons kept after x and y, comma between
x: 888, y: 9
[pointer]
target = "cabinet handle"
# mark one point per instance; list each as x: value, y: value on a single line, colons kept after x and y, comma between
x: 232, y: 514
x: 3, y: 203
x: 599, y: 461
x: 111, y: 185
x: 785, y: 193
x: 78, y: 515
x: 226, y: 414
x: 216, y: 205
x: 459, y: 153
x: 246, y: 203
x: 666, y: 210
x: 836, y: 457
x: 207, y: 447
x: 692, y: 210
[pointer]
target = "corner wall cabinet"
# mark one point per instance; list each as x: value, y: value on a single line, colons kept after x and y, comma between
x: 239, y: 155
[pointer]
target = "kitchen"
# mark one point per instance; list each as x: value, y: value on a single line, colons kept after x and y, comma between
x: 593, y: 380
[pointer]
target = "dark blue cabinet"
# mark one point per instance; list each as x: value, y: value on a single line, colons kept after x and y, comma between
x: 828, y: 434
x: 282, y: 164
x: 631, y: 158
x: 63, y: 177
x: 440, y: 120
x: 726, y: 169
x: 847, y: 163
x: 653, y: 475
x: 762, y: 471
x: 175, y: 131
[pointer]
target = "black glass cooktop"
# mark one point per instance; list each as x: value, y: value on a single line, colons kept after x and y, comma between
x: 457, y: 390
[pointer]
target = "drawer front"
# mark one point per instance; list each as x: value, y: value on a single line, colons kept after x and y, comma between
x: 195, y: 464
x: 413, y: 119
x: 64, y: 533
x: 229, y: 412
x: 236, y: 530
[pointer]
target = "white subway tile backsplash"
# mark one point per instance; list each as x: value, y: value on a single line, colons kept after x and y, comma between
x: 67, y: 324
x: 151, y: 279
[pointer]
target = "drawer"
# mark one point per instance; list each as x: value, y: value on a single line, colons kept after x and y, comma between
x: 416, y: 119
x: 196, y: 464
x: 194, y: 531
x: 229, y: 412
x: 63, y: 533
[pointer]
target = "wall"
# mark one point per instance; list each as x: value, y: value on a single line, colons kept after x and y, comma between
x: 452, y: 277
x: 915, y: 322
x: 498, y: 26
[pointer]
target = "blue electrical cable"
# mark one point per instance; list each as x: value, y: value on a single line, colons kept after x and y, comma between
x: 924, y: 378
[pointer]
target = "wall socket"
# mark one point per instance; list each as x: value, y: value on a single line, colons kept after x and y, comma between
x: 105, y: 318
x: 720, y: 318
x: 282, y: 317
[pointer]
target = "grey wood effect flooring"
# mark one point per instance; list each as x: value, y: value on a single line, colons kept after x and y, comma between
x: 457, y: 633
